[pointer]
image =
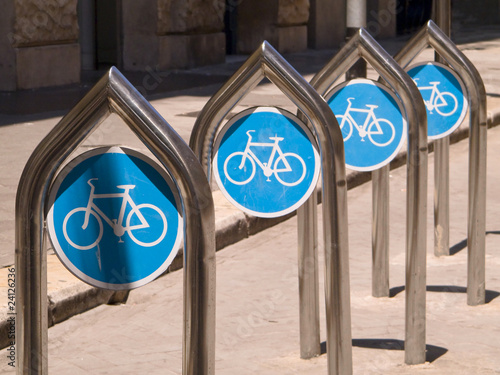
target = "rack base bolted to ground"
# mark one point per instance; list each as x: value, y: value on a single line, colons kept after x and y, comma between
x: 178, y: 173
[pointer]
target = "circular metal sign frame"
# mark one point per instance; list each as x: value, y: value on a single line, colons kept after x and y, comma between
x: 368, y: 138
x: 272, y: 186
x: 122, y: 263
x: 437, y: 116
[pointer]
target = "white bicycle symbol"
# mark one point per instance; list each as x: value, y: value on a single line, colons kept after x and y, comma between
x: 380, y: 132
x: 75, y: 219
x: 445, y: 103
x: 244, y: 162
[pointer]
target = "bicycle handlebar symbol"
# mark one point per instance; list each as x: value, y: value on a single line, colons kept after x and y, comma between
x: 90, y: 217
x: 380, y: 131
x: 244, y: 161
x: 445, y: 103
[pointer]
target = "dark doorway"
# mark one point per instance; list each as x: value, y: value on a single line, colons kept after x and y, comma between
x: 412, y: 14
x: 231, y: 26
x: 100, y: 36
x: 107, y: 33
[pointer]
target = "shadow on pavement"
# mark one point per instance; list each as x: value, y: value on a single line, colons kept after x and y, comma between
x: 458, y: 247
x: 433, y: 352
x: 37, y: 104
x: 490, y: 295
x: 463, y: 244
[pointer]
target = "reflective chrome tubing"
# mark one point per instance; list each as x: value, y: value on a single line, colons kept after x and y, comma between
x: 266, y: 62
x: 113, y: 93
x: 431, y: 35
x: 362, y: 45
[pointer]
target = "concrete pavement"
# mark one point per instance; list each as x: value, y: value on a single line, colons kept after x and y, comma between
x: 68, y: 296
x: 257, y: 304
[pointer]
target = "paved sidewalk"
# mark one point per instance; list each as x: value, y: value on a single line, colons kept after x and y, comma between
x: 68, y: 296
x: 257, y: 303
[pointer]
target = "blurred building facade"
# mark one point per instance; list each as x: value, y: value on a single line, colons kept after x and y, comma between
x: 49, y: 42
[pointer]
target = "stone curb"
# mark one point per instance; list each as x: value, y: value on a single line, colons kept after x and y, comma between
x: 78, y: 298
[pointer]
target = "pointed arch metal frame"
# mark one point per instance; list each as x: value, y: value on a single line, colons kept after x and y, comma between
x: 266, y: 62
x: 431, y: 35
x: 114, y: 94
x: 363, y: 45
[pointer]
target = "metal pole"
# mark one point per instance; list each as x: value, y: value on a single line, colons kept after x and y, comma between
x: 442, y: 196
x: 307, y: 222
x: 442, y: 15
x: 476, y: 229
x: 307, y: 226
x: 114, y: 93
x: 356, y: 18
x: 31, y: 258
x: 380, y: 232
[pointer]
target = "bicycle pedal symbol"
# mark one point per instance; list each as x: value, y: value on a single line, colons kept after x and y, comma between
x: 379, y: 131
x: 87, y: 222
x: 288, y: 168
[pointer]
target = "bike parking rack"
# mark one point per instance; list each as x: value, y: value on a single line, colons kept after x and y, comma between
x: 363, y: 45
x: 431, y: 35
x: 114, y: 94
x: 266, y: 62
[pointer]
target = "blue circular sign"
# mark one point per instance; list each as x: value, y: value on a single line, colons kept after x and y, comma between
x: 266, y: 162
x: 114, y: 218
x: 444, y: 96
x: 372, y: 123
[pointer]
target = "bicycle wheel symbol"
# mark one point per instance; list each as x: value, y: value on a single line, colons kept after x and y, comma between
x: 235, y: 174
x: 284, y: 174
x: 345, y: 126
x: 381, y: 132
x: 144, y: 237
x: 446, y: 104
x: 74, y: 229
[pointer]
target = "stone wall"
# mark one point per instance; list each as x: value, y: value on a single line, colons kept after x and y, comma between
x: 177, y: 34
x: 42, y: 22
x: 190, y: 16
x: 38, y: 44
x: 8, y: 57
x: 283, y: 23
x: 292, y: 25
x: 191, y: 33
x: 293, y: 12
x: 326, y: 25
